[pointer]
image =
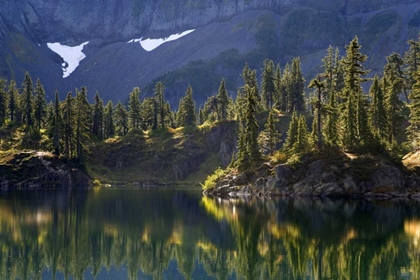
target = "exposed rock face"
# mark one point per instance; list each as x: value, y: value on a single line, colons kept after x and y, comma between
x: 37, y: 170
x: 295, y: 27
x: 324, y: 179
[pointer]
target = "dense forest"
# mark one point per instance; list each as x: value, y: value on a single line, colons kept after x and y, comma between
x: 385, y: 120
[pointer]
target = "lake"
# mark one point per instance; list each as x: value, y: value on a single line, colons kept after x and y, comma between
x: 175, y: 233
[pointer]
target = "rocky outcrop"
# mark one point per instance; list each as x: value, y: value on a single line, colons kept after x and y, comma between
x: 40, y: 170
x: 322, y: 178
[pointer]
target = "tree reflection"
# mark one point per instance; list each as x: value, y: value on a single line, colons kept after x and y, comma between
x: 145, y: 231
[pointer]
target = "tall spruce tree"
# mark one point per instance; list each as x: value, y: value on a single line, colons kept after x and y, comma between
x: 159, y: 96
x: 278, y: 96
x: 3, y: 102
x: 272, y: 134
x: 56, y: 125
x: 302, y: 141
x: 134, y: 106
x: 186, y: 112
x: 292, y: 133
x: 13, y: 102
x: 377, y: 112
x: 83, y: 123
x: 109, y: 127
x: 40, y: 105
x: 412, y: 61
x: 298, y: 86
x: 68, y: 123
x: 268, y: 84
x: 27, y: 91
x: 354, y: 105
x: 98, y: 116
x: 316, y: 83
x: 413, y: 129
x: 223, y: 101
x: 121, y: 119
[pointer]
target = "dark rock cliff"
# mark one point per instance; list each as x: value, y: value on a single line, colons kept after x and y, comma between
x: 278, y: 29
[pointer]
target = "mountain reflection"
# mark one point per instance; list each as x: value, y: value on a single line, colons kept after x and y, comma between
x: 175, y: 234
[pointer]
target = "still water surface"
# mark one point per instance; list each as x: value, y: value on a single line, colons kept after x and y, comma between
x: 178, y: 234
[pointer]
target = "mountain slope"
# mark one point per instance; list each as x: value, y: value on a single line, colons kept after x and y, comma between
x: 226, y: 35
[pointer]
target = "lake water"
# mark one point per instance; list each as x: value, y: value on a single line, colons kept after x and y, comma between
x: 178, y: 234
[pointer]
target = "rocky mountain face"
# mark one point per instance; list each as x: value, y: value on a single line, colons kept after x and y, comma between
x: 226, y: 35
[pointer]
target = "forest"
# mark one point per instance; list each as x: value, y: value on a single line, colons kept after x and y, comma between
x: 336, y: 105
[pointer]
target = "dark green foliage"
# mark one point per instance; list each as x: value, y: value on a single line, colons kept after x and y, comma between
x: 27, y: 91
x: 13, y: 102
x: 268, y: 84
x: 292, y: 133
x: 98, y: 116
x: 109, y: 127
x: 3, y: 102
x: 186, y: 112
x: 39, y: 105
x: 223, y: 101
x: 377, y: 113
x: 316, y: 83
x: 83, y: 123
x: 272, y: 134
x: 302, y: 140
x: 121, y: 120
x: 160, y: 100
x: 68, y: 122
x: 134, y: 105
x: 56, y: 125
x: 412, y: 61
x: 414, y: 127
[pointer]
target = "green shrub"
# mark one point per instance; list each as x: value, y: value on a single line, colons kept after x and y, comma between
x: 212, y: 179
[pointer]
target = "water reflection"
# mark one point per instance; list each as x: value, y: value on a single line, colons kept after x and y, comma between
x: 175, y: 234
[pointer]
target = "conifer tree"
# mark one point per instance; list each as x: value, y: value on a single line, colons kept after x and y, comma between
x: 412, y: 61
x: 98, y: 116
x: 121, y: 119
x: 267, y: 84
x: 27, y: 91
x: 83, y: 122
x: 413, y: 129
x: 377, y: 113
x: 316, y: 83
x: 12, y: 102
x: 39, y: 104
x: 186, y: 113
x: 3, y: 100
x: 298, y: 86
x: 109, y: 127
x: 68, y: 122
x: 134, y: 105
x: 331, y: 120
x: 271, y: 132
x: 353, y: 124
x: 56, y: 125
x: 292, y: 133
x: 223, y: 101
x: 278, y: 96
x: 159, y: 96
x: 302, y: 142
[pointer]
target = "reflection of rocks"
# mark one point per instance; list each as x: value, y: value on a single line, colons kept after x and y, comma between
x: 326, y: 178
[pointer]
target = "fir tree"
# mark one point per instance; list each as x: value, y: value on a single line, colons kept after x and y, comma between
x: 109, y: 127
x: 3, y: 102
x: 298, y: 86
x: 159, y: 96
x: 413, y: 129
x: 412, y: 61
x: 186, y: 112
x: 331, y: 120
x: 278, y: 96
x: 98, y: 116
x: 83, y: 122
x: 377, y: 113
x: 56, y: 125
x: 223, y: 101
x: 271, y: 132
x: 292, y: 133
x: 267, y: 84
x: 39, y: 104
x: 134, y: 105
x: 302, y: 142
x: 27, y: 91
x: 121, y: 119
x: 12, y: 102
x: 68, y: 115
x: 316, y: 83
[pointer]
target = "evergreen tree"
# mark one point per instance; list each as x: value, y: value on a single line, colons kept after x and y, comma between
x: 394, y: 87
x: 250, y: 78
x: 412, y: 61
x: 271, y: 132
x: 3, y: 102
x: 134, y: 108
x: 331, y: 120
x: 109, y: 127
x: 186, y: 112
x: 13, y: 102
x: 413, y: 129
x: 159, y: 95
x: 316, y: 83
x: 121, y: 119
x: 353, y: 110
x: 223, y: 101
x: 68, y: 122
x: 278, y: 96
x: 56, y: 125
x: 267, y: 84
x: 98, y: 116
x: 298, y: 86
x: 302, y: 142
x: 27, y: 91
x: 292, y: 133
x: 40, y: 105
x: 377, y: 113
x: 83, y: 123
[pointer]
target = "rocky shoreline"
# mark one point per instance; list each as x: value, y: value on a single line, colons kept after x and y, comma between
x: 339, y: 176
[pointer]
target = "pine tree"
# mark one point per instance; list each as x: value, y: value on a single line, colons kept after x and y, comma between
x: 353, y: 126
x: 83, y: 123
x: 40, y: 105
x: 27, y: 91
x: 412, y: 61
x: 278, y: 96
x: 223, y: 101
x: 413, y: 129
x: 13, y: 103
x: 109, y: 127
x: 298, y: 86
x: 68, y: 122
x: 316, y: 83
x: 331, y: 120
x: 302, y: 142
x: 292, y: 133
x: 121, y: 119
x: 56, y: 125
x: 134, y: 108
x: 159, y: 95
x: 271, y: 132
x: 267, y: 84
x: 186, y: 112
x: 377, y: 113
x: 3, y: 102
x: 98, y: 116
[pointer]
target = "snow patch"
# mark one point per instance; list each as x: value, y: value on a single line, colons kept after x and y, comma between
x: 71, y: 56
x: 151, y: 44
